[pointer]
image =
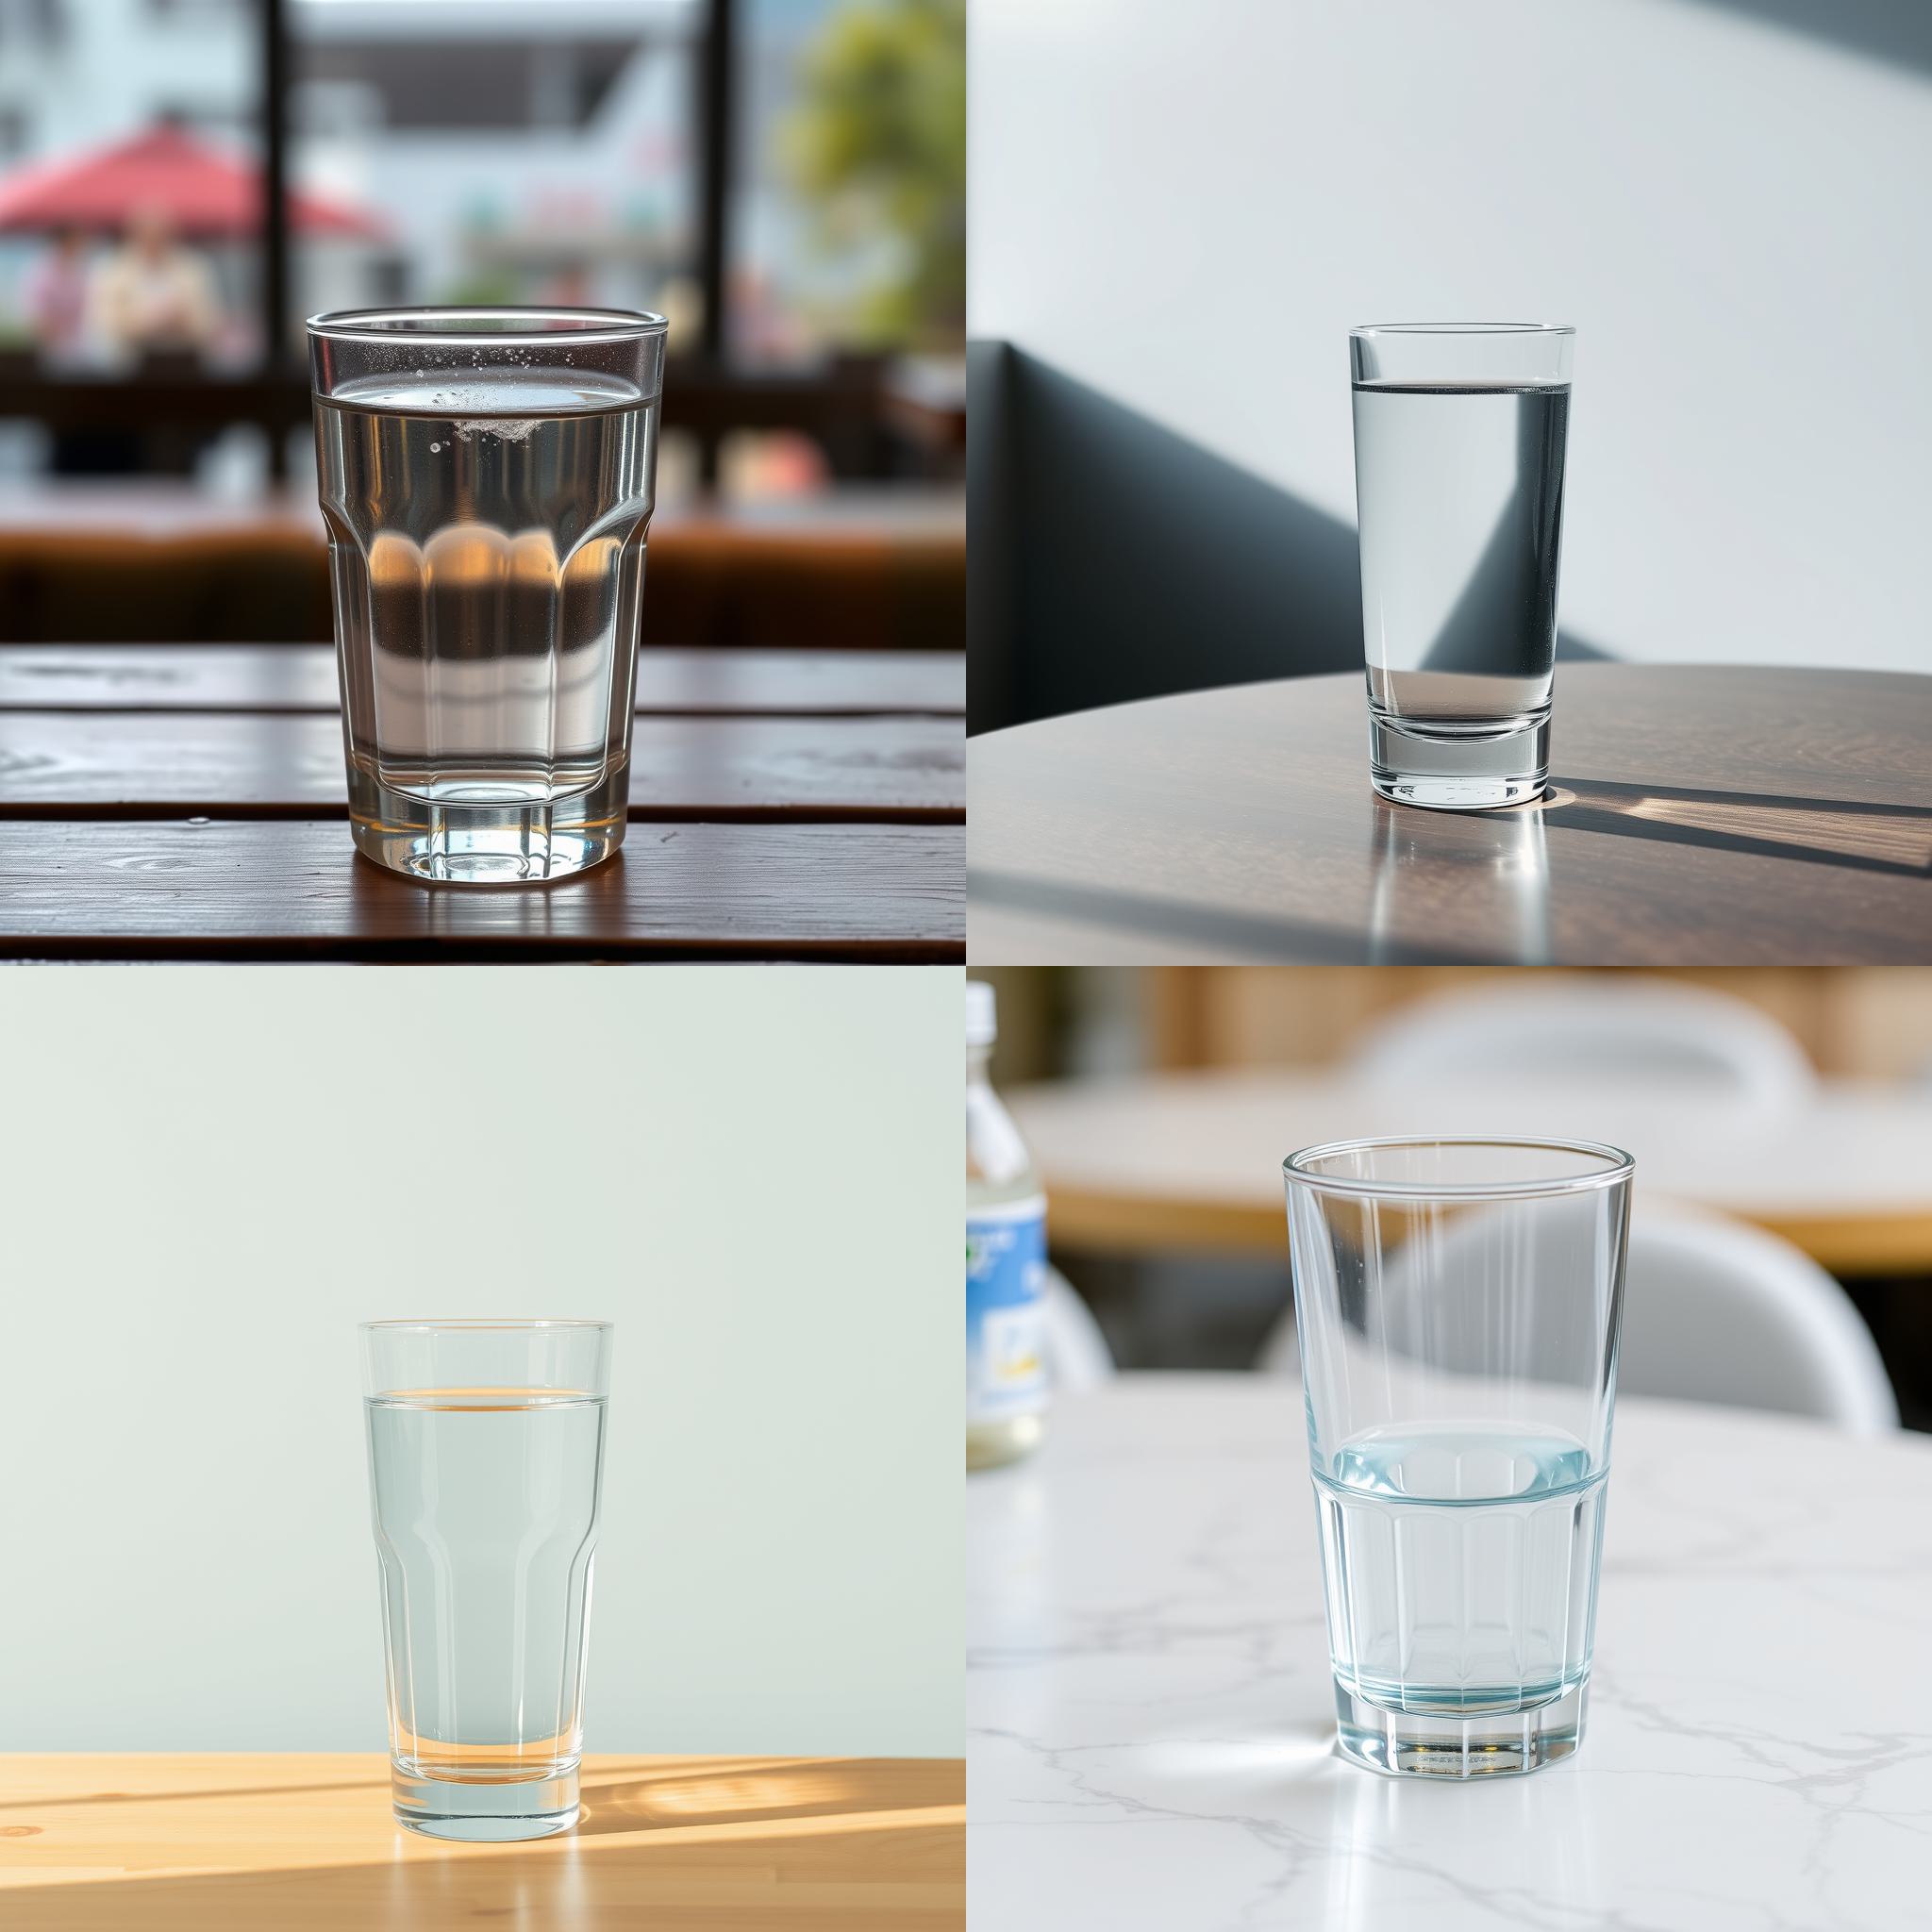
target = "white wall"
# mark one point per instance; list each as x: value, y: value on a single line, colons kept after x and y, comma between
x: 1186, y: 204
x: 208, y: 1177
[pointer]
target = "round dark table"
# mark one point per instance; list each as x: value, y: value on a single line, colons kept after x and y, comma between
x: 1697, y: 815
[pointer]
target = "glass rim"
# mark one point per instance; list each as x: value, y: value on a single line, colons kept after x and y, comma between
x: 432, y: 324
x: 1463, y: 329
x: 1620, y: 1168
x: 465, y: 1324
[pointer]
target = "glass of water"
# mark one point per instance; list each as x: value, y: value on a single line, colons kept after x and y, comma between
x: 486, y: 476
x: 485, y: 1459
x: 1459, y: 431
x: 1458, y: 1305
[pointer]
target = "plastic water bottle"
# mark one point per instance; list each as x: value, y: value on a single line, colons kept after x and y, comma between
x: 1005, y: 1265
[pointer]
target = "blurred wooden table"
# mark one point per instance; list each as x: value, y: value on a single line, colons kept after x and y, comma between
x: 197, y: 1843
x: 1697, y: 816
x: 189, y: 803
x: 1192, y: 1161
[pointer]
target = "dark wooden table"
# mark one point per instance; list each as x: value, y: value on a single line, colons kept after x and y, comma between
x: 187, y: 802
x: 1720, y: 816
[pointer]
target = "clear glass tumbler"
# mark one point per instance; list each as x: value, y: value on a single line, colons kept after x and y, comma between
x: 487, y: 476
x: 1457, y: 1303
x: 1459, y: 433
x: 486, y: 1459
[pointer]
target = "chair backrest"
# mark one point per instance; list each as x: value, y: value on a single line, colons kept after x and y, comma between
x: 1596, y: 1023
x: 1717, y: 1311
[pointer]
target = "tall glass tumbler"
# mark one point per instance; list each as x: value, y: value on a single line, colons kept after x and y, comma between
x: 1459, y: 433
x: 486, y: 1459
x: 486, y: 476
x: 1457, y: 1303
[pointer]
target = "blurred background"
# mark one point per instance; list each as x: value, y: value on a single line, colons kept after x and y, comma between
x: 183, y: 181
x: 1711, y: 190
x: 1781, y: 1250
x: 268, y: 1198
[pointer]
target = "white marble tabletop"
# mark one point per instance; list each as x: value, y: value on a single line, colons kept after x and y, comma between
x: 1151, y: 1721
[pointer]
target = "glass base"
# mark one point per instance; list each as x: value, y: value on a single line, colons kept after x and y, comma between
x: 1403, y: 1743
x: 1458, y: 769
x: 486, y: 845
x: 485, y: 1811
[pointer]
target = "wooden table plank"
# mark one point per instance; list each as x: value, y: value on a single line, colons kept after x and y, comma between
x: 293, y: 889
x: 1698, y: 815
x: 181, y: 763
x: 302, y: 677
x: 156, y: 1842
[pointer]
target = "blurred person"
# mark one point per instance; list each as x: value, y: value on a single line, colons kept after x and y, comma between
x: 152, y: 296
x: 56, y: 298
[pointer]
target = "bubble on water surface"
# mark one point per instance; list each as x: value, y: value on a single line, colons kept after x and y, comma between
x: 506, y: 428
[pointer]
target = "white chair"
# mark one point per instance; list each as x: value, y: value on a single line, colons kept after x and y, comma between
x: 1719, y: 1313
x: 1077, y: 1351
x: 1599, y: 1023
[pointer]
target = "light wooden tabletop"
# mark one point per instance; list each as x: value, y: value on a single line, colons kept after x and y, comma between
x: 196, y: 1842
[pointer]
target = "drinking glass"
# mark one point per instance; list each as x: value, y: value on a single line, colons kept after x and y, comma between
x: 485, y: 1459
x: 1458, y: 1305
x: 486, y: 476
x: 1459, y: 431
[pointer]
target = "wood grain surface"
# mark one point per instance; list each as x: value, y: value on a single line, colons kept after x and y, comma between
x: 178, y: 763
x: 1697, y: 815
x: 187, y: 802
x: 293, y: 888
x: 308, y: 1843
x: 302, y: 677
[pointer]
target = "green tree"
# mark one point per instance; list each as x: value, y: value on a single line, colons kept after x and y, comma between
x: 877, y: 145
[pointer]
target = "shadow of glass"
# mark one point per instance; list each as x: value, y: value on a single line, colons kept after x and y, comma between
x: 1852, y: 835
x: 753, y: 1793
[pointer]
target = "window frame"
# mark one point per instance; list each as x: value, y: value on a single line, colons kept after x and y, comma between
x: 845, y: 404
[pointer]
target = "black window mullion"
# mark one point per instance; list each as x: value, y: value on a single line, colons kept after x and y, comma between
x: 716, y: 96
x: 275, y: 211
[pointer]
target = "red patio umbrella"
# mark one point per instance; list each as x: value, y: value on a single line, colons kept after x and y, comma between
x: 208, y: 194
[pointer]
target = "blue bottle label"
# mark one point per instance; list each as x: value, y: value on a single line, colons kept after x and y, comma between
x: 1005, y: 1310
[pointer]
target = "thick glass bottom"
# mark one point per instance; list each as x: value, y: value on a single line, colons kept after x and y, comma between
x: 485, y: 1809
x: 1403, y: 1743
x: 1463, y: 768
x: 469, y: 844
